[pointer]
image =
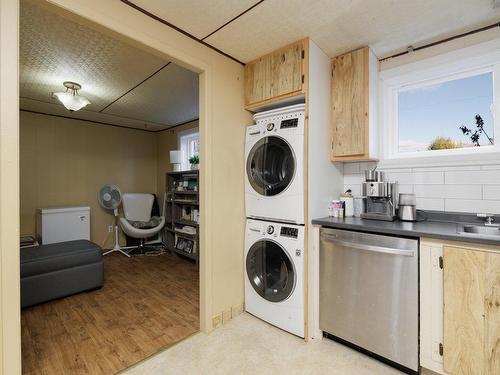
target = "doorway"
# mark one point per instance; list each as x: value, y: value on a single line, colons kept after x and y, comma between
x: 138, y: 104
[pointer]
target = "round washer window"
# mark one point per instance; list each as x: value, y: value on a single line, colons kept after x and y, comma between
x: 270, y: 166
x: 270, y: 271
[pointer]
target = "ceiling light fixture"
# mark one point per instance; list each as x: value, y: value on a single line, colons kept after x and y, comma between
x: 71, y: 99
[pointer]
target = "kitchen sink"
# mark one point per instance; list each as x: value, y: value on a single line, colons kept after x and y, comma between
x: 481, y: 230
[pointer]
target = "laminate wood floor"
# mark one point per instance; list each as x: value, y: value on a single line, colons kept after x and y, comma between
x: 146, y: 304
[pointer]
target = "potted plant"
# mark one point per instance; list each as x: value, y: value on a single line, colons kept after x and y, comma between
x: 194, y: 161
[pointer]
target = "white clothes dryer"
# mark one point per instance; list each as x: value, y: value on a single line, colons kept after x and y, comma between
x: 274, y: 157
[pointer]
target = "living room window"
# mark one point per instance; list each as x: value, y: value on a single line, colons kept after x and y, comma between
x: 442, y: 108
x: 189, y: 141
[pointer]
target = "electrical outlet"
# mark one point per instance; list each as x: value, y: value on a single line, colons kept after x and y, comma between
x: 110, y: 229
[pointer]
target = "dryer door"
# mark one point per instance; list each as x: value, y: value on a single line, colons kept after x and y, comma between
x: 271, y: 166
x: 270, y: 271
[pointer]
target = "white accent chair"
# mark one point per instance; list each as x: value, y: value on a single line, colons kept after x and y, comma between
x: 137, y: 207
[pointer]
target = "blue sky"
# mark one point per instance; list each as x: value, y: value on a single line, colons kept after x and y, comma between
x: 439, y: 110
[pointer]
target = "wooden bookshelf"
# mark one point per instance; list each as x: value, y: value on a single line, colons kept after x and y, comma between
x: 182, y: 210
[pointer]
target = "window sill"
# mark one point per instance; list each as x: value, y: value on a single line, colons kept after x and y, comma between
x: 449, y: 160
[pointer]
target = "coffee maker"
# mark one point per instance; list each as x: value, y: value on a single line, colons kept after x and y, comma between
x: 381, y: 197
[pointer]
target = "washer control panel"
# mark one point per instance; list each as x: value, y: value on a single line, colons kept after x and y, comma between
x: 274, y: 230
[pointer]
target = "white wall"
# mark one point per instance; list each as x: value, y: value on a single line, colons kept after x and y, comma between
x: 455, y: 189
x: 325, y: 178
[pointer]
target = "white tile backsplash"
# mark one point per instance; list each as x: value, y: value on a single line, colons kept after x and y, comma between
x: 428, y: 177
x: 483, y: 177
x: 457, y: 188
x: 407, y: 189
x: 432, y: 204
x: 472, y: 206
x: 408, y: 178
x: 491, y: 192
x: 449, y: 191
x: 491, y: 167
x: 353, y: 179
x: 351, y: 168
x: 451, y: 168
x: 355, y: 189
x: 405, y: 178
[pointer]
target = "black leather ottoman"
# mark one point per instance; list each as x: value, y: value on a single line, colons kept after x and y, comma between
x: 60, y: 269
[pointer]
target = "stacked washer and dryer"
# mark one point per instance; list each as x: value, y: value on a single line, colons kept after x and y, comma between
x: 274, y: 202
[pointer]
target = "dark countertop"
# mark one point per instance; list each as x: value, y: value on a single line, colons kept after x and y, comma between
x: 445, y: 230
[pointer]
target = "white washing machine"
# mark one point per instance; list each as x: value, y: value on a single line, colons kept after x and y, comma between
x: 274, y: 157
x: 274, y: 274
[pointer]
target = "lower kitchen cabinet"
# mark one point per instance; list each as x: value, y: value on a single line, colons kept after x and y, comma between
x: 471, y: 311
x: 459, y: 308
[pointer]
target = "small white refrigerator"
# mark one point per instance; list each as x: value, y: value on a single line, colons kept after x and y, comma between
x: 61, y: 224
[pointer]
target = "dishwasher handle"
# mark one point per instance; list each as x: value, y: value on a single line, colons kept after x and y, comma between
x: 359, y: 246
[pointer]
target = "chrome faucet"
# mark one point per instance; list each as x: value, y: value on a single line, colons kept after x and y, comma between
x: 489, y: 219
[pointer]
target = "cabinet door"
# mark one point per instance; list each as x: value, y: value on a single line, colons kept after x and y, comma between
x: 492, y: 314
x: 350, y: 94
x: 276, y: 75
x: 471, y: 312
x: 286, y: 71
x: 257, y: 81
x: 431, y: 307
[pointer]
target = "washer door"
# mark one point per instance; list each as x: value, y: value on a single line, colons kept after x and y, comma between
x: 270, y: 271
x: 270, y: 166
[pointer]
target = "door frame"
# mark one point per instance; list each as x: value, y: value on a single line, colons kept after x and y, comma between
x: 10, y: 317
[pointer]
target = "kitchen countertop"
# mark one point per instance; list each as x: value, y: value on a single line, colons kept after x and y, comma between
x: 445, y: 230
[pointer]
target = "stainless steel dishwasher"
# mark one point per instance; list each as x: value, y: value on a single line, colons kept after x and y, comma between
x: 369, y: 293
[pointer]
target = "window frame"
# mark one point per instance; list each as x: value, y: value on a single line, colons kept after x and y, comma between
x: 183, y: 139
x: 463, y: 63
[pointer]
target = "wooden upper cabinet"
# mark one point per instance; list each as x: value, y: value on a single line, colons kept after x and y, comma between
x: 353, y: 107
x: 275, y: 76
x: 471, y: 291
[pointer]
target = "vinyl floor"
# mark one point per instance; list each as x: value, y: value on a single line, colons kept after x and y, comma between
x: 146, y: 304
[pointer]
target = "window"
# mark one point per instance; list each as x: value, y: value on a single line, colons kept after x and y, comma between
x: 442, y: 116
x: 189, y: 142
x: 442, y: 108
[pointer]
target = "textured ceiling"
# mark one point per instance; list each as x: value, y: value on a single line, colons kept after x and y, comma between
x: 197, y: 17
x: 54, y: 49
x: 171, y: 88
x: 337, y: 26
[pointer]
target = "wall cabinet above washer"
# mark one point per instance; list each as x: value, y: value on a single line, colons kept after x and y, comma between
x: 277, y: 76
x: 354, y: 81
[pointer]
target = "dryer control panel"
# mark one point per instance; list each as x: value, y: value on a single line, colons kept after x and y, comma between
x: 289, y: 232
x: 290, y: 123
